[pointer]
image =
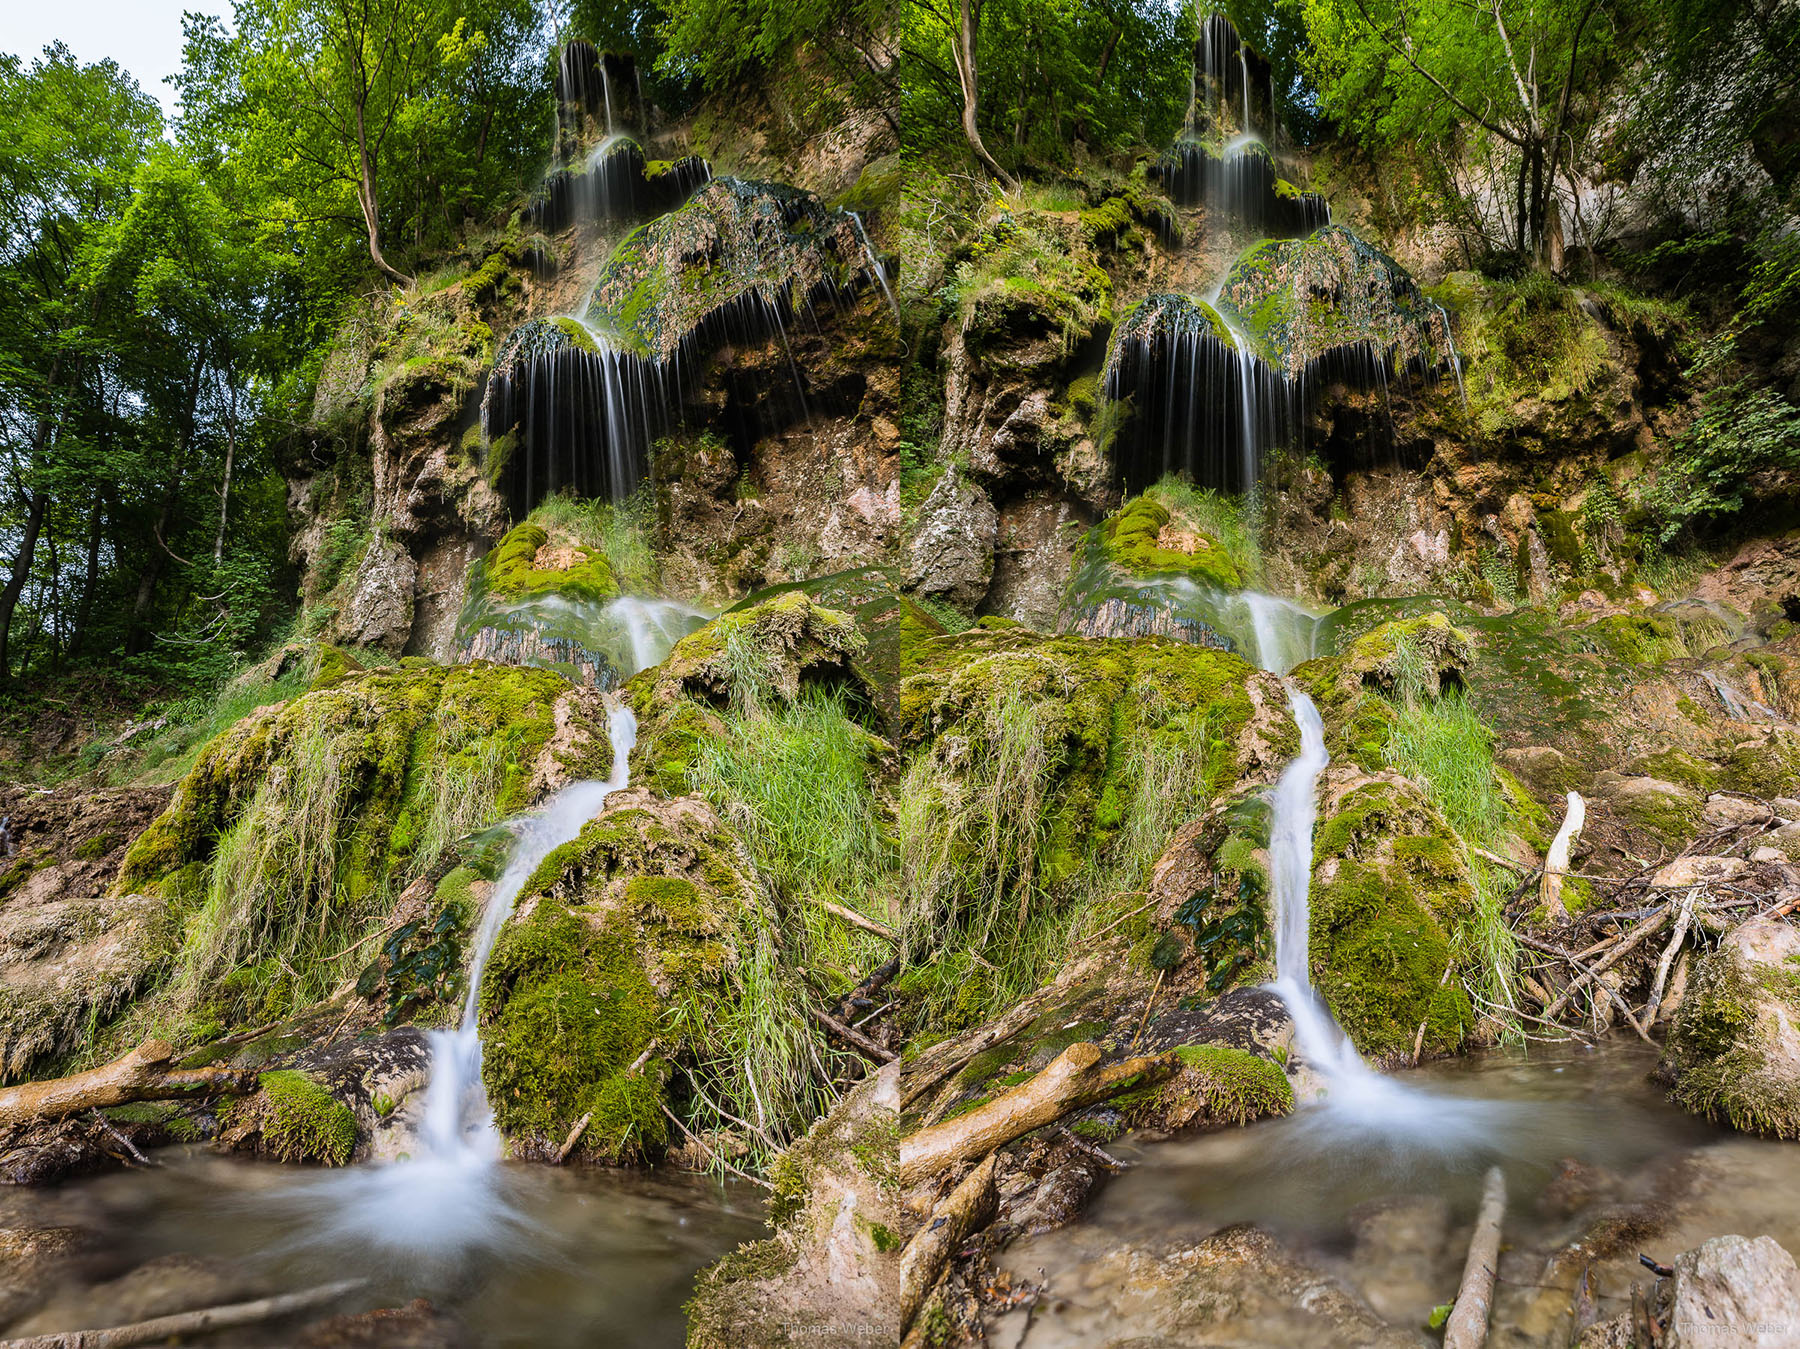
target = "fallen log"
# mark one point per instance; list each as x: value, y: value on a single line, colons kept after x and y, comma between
x: 939, y: 1062
x: 141, y: 1075
x: 1074, y: 1078
x: 1468, y: 1324
x: 967, y: 1209
x: 183, y: 1324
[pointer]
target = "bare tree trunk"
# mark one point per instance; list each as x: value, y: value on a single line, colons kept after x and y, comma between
x: 367, y: 200
x: 21, y: 572
x: 85, y: 612
x: 225, y: 481
x: 964, y: 49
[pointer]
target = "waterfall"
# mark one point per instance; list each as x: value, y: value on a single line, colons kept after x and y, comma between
x: 458, y: 1126
x: 447, y: 1203
x: 653, y: 626
x: 1353, y: 1097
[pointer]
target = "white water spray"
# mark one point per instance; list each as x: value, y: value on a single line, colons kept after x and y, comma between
x: 653, y: 626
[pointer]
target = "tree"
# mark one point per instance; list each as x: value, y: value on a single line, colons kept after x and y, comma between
x: 74, y: 136
x: 1521, y: 72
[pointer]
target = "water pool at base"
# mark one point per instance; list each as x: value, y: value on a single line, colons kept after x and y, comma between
x: 575, y: 1257
x: 1599, y: 1168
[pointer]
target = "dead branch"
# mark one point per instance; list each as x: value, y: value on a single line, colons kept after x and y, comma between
x: 1622, y: 947
x: 932, y: 1067
x: 710, y: 1152
x: 1556, y: 861
x: 141, y: 1075
x: 853, y: 1037
x: 855, y: 919
x: 1468, y: 1324
x: 568, y: 1146
x: 967, y: 1209
x: 1073, y: 1079
x: 1668, y: 958
x: 184, y: 1324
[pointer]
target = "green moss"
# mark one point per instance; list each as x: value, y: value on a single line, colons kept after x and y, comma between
x: 304, y: 1122
x: 1717, y: 1054
x: 511, y: 570
x: 1129, y: 540
x: 97, y: 847
x: 1238, y: 1086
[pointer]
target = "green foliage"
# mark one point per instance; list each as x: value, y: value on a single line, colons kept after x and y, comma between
x: 1745, y: 444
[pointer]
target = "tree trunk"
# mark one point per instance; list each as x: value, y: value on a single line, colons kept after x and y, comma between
x: 92, y: 578
x: 143, y: 1074
x: 225, y: 481
x: 21, y: 572
x: 366, y: 198
x: 964, y: 49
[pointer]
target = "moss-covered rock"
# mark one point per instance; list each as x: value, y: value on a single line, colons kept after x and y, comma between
x: 528, y: 563
x: 642, y: 913
x: 752, y: 655
x: 303, y: 1122
x: 1733, y: 1054
x: 1142, y: 540
x: 1391, y: 893
x: 308, y: 818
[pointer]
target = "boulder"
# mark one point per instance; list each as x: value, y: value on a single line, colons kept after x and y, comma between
x: 1735, y: 1293
x: 950, y: 556
x: 1734, y: 1052
x: 1684, y: 872
x: 1730, y: 812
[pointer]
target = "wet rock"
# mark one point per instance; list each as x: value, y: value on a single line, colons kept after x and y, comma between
x: 950, y: 556
x: 1032, y: 559
x: 1238, y: 1286
x: 28, y: 1257
x: 159, y: 1287
x: 377, y: 610
x: 1402, y: 1254
x: 1737, y: 1293
x: 1734, y: 1051
x: 417, y: 1325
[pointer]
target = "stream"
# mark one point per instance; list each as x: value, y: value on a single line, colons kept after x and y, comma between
x: 1591, y: 1150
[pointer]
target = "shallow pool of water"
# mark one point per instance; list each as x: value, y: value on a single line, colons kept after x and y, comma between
x: 568, y: 1257
x: 1599, y: 1167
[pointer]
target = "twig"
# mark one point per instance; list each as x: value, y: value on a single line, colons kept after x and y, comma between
x: 1585, y: 974
x: 562, y: 1153
x: 185, y: 1324
x: 855, y: 919
x: 1619, y: 951
x: 1149, y: 1002
x: 1419, y: 1039
x: 124, y: 1142
x: 637, y: 1064
x: 1124, y: 917
x: 886, y: 1006
x: 1101, y: 1155
x: 723, y: 1113
x: 852, y: 1037
x: 741, y: 1175
x: 1668, y: 958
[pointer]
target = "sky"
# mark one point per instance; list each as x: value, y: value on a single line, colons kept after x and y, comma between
x: 143, y: 36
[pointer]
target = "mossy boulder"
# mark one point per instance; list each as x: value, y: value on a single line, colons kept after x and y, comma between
x: 1090, y: 715
x: 1391, y: 897
x: 893, y: 625
x: 642, y: 914
x: 529, y: 563
x: 733, y: 257
x: 1733, y: 1054
x: 751, y: 656
x: 306, y: 819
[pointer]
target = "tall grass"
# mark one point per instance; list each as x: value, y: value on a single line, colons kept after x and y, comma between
x: 1229, y: 519
x: 794, y: 782
x: 1444, y: 746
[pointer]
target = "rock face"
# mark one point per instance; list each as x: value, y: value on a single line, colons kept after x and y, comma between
x: 1734, y: 1052
x: 950, y: 556
x: 1735, y: 1292
x: 378, y: 608
x: 70, y: 954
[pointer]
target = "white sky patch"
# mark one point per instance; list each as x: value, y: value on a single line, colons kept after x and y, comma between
x: 143, y: 36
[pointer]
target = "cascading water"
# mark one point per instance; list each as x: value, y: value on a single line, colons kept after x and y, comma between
x: 444, y: 1201
x: 1353, y: 1098
x: 653, y: 626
